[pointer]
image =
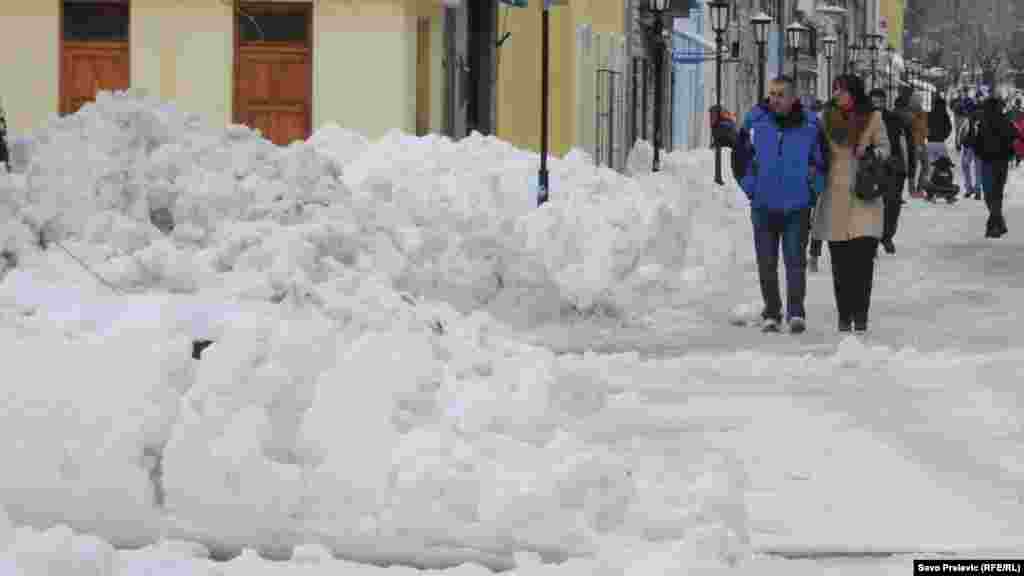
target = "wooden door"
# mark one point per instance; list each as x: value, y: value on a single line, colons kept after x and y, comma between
x: 274, y: 71
x: 94, y: 51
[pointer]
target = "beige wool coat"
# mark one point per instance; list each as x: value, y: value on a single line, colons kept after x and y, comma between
x: 840, y: 214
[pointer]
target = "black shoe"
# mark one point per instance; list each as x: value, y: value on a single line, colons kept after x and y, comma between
x: 860, y: 328
x: 770, y: 325
x: 845, y: 327
x: 889, y: 247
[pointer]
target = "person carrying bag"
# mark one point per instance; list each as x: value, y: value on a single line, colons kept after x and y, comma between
x: 849, y: 212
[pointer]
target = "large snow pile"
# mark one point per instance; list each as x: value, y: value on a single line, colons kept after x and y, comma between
x: 448, y: 220
x: 359, y: 394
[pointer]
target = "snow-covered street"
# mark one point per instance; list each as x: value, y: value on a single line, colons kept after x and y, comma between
x: 412, y: 371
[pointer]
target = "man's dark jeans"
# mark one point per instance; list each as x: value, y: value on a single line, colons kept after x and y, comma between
x: 770, y: 228
x: 993, y: 178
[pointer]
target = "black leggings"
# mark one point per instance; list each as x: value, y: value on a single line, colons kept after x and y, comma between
x: 853, y: 271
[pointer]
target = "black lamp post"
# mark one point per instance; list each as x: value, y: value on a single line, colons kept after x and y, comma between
x: 719, y: 22
x: 914, y: 71
x: 545, y: 58
x: 794, y: 38
x: 851, y: 62
x: 890, y: 52
x: 657, y: 9
x: 760, y: 23
x: 873, y: 42
x: 830, y: 52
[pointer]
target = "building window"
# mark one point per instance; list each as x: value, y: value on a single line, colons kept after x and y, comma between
x: 95, y: 21
x: 273, y: 23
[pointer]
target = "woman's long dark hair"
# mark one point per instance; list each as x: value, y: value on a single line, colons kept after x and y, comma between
x: 855, y: 86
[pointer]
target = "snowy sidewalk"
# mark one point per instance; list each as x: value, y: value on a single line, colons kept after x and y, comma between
x: 910, y: 447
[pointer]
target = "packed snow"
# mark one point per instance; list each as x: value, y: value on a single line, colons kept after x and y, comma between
x: 382, y: 395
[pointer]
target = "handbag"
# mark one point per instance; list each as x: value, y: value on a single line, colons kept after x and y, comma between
x: 872, y: 178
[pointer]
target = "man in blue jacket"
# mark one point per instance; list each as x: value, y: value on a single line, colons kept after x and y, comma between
x: 786, y: 153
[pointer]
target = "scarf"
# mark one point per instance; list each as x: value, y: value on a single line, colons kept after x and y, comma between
x: 844, y: 128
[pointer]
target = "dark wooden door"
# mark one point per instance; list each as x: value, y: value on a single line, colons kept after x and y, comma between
x: 94, y: 53
x: 273, y: 75
x: 89, y: 67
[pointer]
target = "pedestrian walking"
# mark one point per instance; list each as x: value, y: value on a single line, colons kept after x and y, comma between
x: 940, y: 127
x: 899, y: 141
x: 917, y: 156
x: 995, y: 149
x: 967, y: 144
x: 852, y: 226
x: 786, y: 153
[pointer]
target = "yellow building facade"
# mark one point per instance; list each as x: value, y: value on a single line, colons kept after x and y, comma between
x: 519, y: 69
x: 365, y: 60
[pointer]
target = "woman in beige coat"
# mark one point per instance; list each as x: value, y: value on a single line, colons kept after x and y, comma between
x: 851, y: 226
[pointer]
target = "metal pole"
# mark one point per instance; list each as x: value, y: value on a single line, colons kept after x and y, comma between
x: 718, y: 104
x: 782, y: 34
x: 542, y: 176
x: 760, y: 70
x: 611, y: 118
x: 828, y: 71
x: 659, y: 72
x: 796, y: 56
x: 643, y: 105
x: 892, y: 96
x: 874, y: 63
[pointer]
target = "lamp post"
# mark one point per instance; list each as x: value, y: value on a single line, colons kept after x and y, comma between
x: 760, y: 23
x: 657, y: 9
x: 719, y: 21
x: 794, y: 38
x: 851, y: 62
x: 830, y: 52
x: 914, y: 71
x: 542, y: 174
x: 890, y: 51
x: 873, y: 42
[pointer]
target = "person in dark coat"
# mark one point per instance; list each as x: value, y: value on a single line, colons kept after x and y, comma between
x: 899, y: 142
x: 850, y: 224
x: 786, y: 155
x: 995, y: 149
x: 940, y: 127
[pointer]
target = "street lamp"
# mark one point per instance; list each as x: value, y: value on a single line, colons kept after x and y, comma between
x: 657, y: 9
x: 794, y: 37
x: 873, y: 42
x: 890, y: 52
x: 915, y: 71
x: 852, y: 60
x: 830, y: 52
x: 719, y: 22
x: 760, y: 23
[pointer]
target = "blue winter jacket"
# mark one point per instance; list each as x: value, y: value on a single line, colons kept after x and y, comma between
x: 779, y: 175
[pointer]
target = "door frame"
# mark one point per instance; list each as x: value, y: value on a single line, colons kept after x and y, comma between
x: 61, y: 71
x: 236, y: 45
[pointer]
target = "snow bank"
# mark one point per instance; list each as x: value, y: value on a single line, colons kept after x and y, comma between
x: 445, y: 219
x: 359, y: 394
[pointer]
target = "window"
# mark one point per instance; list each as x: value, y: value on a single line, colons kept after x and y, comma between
x: 273, y: 23
x: 95, y: 21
